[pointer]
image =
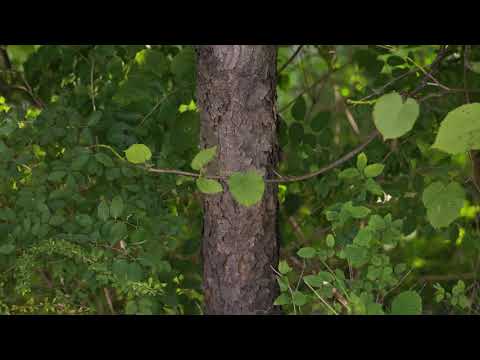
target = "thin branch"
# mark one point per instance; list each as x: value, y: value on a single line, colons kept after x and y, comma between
x: 450, y: 277
x: 304, y: 91
x: 109, y: 300
x: 283, y: 179
x: 466, y: 50
x: 434, y: 67
x: 290, y: 60
x: 92, y: 88
x: 373, y: 135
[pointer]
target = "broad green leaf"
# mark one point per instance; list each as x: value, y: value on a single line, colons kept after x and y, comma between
x: 299, y: 298
x: 393, y: 117
x: 247, y: 188
x: 299, y: 109
x: 208, y: 186
x: 56, y: 176
x: 323, y: 278
x: 118, y: 232
x: 103, y: 211
x: 203, y: 158
x: 475, y: 66
x: 356, y: 255
x: 373, y: 170
x: 7, y: 249
x: 283, y: 299
x: 460, y: 131
x: 357, y: 212
x: 104, y: 159
x: 94, y: 118
x: 407, y: 303
x: 84, y: 220
x: 375, y: 309
x: 57, y: 220
x: 349, y: 173
x: 116, y: 207
x: 361, y: 161
x: 363, y: 237
x: 138, y: 154
x: 373, y: 187
x: 79, y: 162
x: 306, y: 252
x: 443, y: 203
x: 283, y: 267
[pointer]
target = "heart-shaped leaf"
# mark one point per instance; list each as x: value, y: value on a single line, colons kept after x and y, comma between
x: 393, y: 117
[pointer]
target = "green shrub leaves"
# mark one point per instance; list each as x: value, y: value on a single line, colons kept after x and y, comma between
x: 443, y: 203
x: 407, y: 303
x: 247, y: 188
x: 393, y: 117
x: 138, y: 154
x: 460, y: 131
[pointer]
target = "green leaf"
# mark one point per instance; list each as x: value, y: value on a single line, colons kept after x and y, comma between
x: 103, y: 211
x: 306, y: 252
x: 393, y: 117
x: 356, y: 255
x: 56, y: 176
x: 374, y: 309
x: 203, y: 158
x: 116, y: 207
x: 319, y: 280
x: 283, y: 267
x: 373, y: 170
x: 349, y: 173
x: 80, y: 162
x: 407, y: 303
x: 443, y: 203
x: 460, y: 131
x: 138, y: 154
x: 208, y: 186
x: 118, y: 232
x: 330, y: 241
x: 247, y: 188
x: 361, y: 161
x: 104, y: 159
x: 94, y: 118
x: 283, y: 299
x: 56, y: 220
x: 357, y: 212
x: 363, y: 237
x: 299, y: 109
x: 84, y: 220
x: 7, y: 249
x: 373, y: 187
x: 475, y: 67
x: 299, y: 298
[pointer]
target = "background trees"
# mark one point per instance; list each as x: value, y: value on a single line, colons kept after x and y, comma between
x: 391, y: 227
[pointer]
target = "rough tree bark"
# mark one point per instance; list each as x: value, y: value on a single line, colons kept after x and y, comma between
x: 236, y: 90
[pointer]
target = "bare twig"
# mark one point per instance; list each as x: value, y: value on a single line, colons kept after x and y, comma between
x: 290, y: 60
x: 109, y: 300
x: 449, y: 277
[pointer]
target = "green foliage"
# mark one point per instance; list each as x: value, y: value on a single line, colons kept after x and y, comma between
x: 203, y: 158
x: 208, y: 186
x: 80, y: 225
x: 247, y: 187
x: 393, y: 117
x: 407, y: 303
x: 460, y: 131
x: 443, y: 203
x: 138, y: 154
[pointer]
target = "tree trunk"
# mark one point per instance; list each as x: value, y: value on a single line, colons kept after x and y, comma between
x: 236, y: 89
